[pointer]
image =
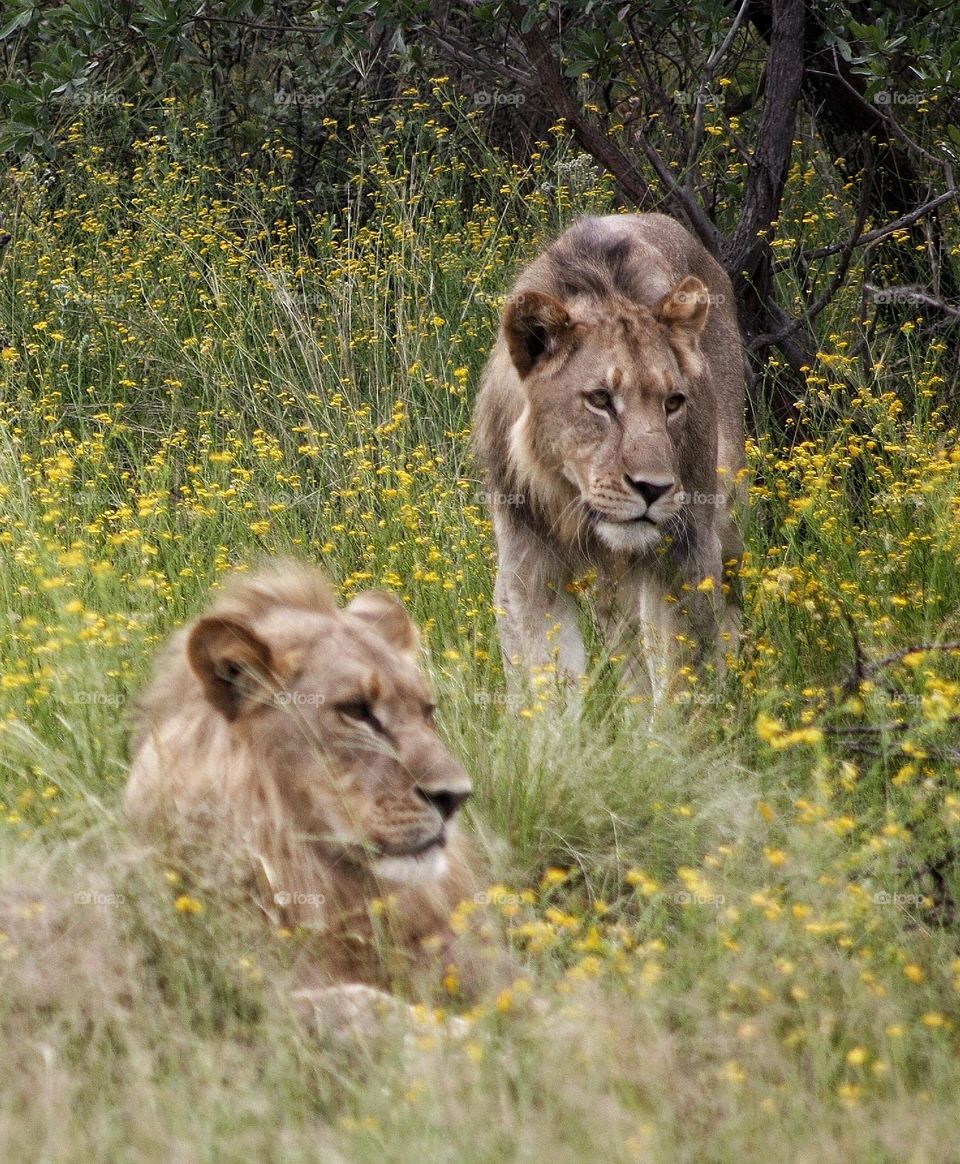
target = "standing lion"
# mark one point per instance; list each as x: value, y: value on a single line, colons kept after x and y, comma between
x: 610, y: 428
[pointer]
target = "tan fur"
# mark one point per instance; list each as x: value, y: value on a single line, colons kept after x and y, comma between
x: 297, y: 739
x: 610, y: 427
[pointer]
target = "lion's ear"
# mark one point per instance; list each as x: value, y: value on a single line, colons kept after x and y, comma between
x: 388, y: 617
x: 535, y: 326
x: 683, y: 311
x: 231, y: 662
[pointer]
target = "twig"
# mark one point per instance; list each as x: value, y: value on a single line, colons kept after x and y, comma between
x: 683, y: 196
x: 865, y: 738
x: 860, y: 661
x: 920, y: 649
x: 252, y: 26
x: 873, y: 236
x: 461, y: 53
x: 836, y: 282
x: 865, y: 729
x: 708, y: 70
x: 912, y: 295
x: 597, y: 144
x: 881, y: 115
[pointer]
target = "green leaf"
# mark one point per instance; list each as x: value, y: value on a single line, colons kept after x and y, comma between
x: 19, y: 21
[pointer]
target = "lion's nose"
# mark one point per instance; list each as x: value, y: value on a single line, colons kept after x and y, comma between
x: 444, y: 800
x: 650, y: 491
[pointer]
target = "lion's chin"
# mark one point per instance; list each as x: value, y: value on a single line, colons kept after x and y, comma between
x: 414, y: 869
x: 635, y: 536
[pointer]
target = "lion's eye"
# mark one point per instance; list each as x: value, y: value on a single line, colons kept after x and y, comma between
x: 600, y: 400
x: 429, y: 712
x: 674, y: 403
x: 361, y: 711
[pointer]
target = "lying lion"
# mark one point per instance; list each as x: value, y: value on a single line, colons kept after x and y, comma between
x: 299, y: 739
x: 610, y: 428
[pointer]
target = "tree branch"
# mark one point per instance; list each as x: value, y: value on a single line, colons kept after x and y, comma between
x: 708, y: 71
x: 882, y: 232
x: 597, y: 144
x: 768, y: 167
x: 911, y: 295
x: 811, y: 312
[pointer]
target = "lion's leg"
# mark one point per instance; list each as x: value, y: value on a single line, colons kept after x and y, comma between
x: 621, y: 627
x: 659, y: 630
x: 539, y: 631
x: 537, y: 619
x: 682, y: 624
x: 699, y: 617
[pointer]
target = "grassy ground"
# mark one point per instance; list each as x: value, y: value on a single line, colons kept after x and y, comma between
x: 736, y: 930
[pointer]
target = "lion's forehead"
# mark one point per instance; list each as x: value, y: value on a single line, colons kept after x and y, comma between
x: 617, y: 361
x: 332, y: 655
x: 632, y: 382
x: 384, y: 679
x: 400, y: 688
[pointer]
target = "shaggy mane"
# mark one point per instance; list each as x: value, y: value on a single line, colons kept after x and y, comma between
x: 284, y: 584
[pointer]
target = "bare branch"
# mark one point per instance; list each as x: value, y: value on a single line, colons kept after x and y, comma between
x: 253, y: 26
x: 596, y: 143
x: 893, y: 126
x: 916, y: 649
x: 911, y: 295
x: 882, y: 232
x: 462, y: 53
x: 768, y: 166
x: 684, y: 199
x: 811, y: 312
x: 715, y: 58
x: 708, y: 71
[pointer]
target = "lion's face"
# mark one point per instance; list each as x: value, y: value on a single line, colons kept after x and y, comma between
x: 607, y: 405
x: 335, y: 706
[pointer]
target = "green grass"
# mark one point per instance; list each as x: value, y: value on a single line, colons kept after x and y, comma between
x: 751, y: 951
